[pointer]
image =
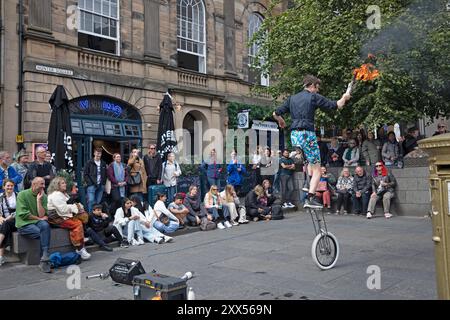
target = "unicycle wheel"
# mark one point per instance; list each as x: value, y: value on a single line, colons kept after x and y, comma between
x: 325, y: 250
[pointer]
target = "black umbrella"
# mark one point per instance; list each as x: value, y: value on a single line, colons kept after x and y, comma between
x: 166, y: 130
x: 60, y: 131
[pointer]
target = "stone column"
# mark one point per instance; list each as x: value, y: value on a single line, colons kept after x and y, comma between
x: 151, y: 29
x: 229, y: 37
x: 40, y: 15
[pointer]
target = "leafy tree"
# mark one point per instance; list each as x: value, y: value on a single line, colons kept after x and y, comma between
x: 330, y: 38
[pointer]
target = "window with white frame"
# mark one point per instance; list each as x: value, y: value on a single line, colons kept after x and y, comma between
x: 99, y: 25
x: 191, y: 36
x: 254, y: 24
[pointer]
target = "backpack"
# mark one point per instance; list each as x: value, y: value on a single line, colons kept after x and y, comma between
x: 277, y: 213
x: 58, y: 259
x: 207, y: 225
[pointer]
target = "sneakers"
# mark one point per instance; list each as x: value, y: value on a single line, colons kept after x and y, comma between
x: 106, y: 248
x: 243, y: 221
x: 337, y: 212
x: 159, y: 241
x: 387, y: 215
x: 285, y: 205
x: 84, y: 254
x: 313, y: 204
x: 134, y: 242
x: 168, y: 239
x: 227, y: 224
x: 141, y: 241
x: 124, y: 244
x: 45, y: 266
x: 345, y: 212
x: 234, y: 223
x: 2, y: 260
x: 255, y: 219
x: 220, y: 226
x: 368, y: 215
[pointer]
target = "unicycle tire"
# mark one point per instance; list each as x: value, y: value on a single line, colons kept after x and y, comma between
x: 325, y: 250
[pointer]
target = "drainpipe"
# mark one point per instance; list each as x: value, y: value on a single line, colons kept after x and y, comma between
x: 20, y: 86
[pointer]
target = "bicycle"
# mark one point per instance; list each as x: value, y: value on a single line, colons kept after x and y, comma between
x: 325, y: 246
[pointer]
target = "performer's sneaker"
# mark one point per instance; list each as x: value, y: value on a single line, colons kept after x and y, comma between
x: 313, y: 204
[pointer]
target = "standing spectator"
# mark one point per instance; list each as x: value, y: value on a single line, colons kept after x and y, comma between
x: 40, y: 168
x: 212, y: 169
x: 128, y: 221
x: 193, y: 204
x: 7, y: 171
x: 410, y: 142
x: 326, y: 187
x: 137, y: 175
x: 118, y: 175
x: 383, y: 187
x: 21, y: 167
x: 344, y: 189
x: 235, y: 171
x: 179, y: 210
x: 170, y: 172
x: 31, y: 218
x: 101, y: 231
x: 323, y: 148
x: 362, y: 186
x: 335, y: 153
x: 382, y: 138
x: 267, y: 165
x: 287, y: 168
x: 66, y: 215
x: 441, y: 129
x: 256, y: 164
x: 351, y: 154
x: 215, y: 207
x: 231, y: 200
x: 7, y: 216
x: 165, y: 222
x: 391, y: 150
x: 153, y: 166
x: 371, y: 149
x: 95, y: 178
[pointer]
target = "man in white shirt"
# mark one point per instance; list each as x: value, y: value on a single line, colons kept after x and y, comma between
x: 170, y: 172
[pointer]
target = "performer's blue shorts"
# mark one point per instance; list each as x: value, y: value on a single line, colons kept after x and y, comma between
x: 307, y: 141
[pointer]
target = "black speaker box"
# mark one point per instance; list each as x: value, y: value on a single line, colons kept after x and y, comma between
x: 124, y: 270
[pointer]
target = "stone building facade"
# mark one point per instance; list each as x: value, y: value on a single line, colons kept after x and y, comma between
x: 116, y: 59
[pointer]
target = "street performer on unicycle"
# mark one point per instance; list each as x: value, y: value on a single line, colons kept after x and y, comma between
x: 302, y: 107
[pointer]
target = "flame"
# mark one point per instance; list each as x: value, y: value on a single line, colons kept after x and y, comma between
x: 367, y: 72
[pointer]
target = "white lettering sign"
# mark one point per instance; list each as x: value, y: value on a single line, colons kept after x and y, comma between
x: 54, y: 70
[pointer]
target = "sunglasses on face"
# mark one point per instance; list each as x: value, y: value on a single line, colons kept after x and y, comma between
x: 378, y: 165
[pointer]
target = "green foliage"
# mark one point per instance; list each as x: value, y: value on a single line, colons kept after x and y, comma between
x: 188, y: 170
x: 68, y: 177
x: 331, y: 38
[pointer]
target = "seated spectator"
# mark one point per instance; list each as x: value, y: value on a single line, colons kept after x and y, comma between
x: 344, y: 189
x: 268, y: 191
x: 441, y: 129
x: 148, y: 218
x: 256, y: 204
x: 410, y: 142
x: 351, y: 154
x: 215, y: 208
x: 231, y: 201
x: 193, y: 204
x: 371, y: 149
x: 391, y: 151
x: 335, y: 152
x: 128, y: 221
x: 326, y: 187
x: 31, y: 218
x: 383, y: 187
x: 362, y: 186
x: 67, y: 216
x: 7, y: 216
x: 178, y: 209
x: 165, y: 222
x: 101, y: 231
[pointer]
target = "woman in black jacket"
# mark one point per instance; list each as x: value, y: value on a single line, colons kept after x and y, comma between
x: 256, y: 204
x: 193, y: 204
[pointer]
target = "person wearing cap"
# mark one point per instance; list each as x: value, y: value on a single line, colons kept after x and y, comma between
x: 7, y: 171
x: 410, y: 142
x: 383, y: 187
x: 21, y: 167
x: 302, y: 108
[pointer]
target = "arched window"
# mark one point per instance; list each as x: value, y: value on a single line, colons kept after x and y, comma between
x: 191, y: 36
x: 253, y: 26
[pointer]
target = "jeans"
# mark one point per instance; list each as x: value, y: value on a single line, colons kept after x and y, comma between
x: 151, y: 234
x: 171, y: 191
x: 109, y: 234
x: 94, y: 196
x: 286, y: 188
x: 363, y: 200
x: 39, y: 230
x: 161, y: 227
x: 343, y: 198
x: 132, y: 227
x: 213, y: 181
x: 217, y: 212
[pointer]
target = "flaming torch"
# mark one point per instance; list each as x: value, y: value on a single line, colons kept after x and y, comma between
x: 367, y: 72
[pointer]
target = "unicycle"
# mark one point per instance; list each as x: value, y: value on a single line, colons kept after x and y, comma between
x: 325, y: 246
